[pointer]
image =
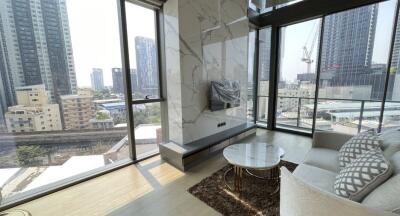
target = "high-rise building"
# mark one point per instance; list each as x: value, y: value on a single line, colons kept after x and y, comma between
x: 134, y: 80
x: 264, y: 52
x: 35, y: 47
x: 97, y: 80
x: 118, y: 80
x: 33, y: 112
x: 146, y: 62
x: 347, y: 48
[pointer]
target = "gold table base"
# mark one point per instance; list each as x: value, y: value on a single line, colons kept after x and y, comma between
x: 273, y: 175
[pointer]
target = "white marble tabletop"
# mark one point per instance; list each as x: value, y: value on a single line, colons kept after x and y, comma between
x: 254, y: 155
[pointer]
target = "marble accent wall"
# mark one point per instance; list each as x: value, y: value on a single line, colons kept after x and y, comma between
x: 205, y: 40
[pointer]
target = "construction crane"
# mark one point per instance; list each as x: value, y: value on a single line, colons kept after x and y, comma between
x: 308, y: 50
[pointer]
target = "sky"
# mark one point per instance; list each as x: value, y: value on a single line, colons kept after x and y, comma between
x: 95, y: 35
x: 295, y: 37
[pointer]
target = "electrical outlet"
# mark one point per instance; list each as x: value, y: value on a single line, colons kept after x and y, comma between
x: 221, y: 124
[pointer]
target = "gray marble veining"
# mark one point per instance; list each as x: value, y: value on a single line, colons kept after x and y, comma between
x: 205, y: 40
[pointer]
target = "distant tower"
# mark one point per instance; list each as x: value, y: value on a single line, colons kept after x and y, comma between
x: 118, y: 80
x: 97, y: 80
x: 146, y: 61
x: 265, y: 52
x: 134, y: 80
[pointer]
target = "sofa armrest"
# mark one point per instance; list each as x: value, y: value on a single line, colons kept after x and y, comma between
x: 330, y: 140
x: 301, y: 199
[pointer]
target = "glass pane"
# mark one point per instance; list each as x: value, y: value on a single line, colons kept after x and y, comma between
x: 330, y: 115
x: 250, y: 76
x: 142, y: 52
x: 353, y: 66
x: 148, y: 131
x: 59, y: 116
x: 263, y: 70
x: 391, y: 115
x: 262, y: 109
x: 297, y: 75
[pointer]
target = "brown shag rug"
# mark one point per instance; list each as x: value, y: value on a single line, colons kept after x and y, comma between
x: 253, y: 200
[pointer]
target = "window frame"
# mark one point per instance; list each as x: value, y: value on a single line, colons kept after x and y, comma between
x: 36, y: 193
x: 267, y: 20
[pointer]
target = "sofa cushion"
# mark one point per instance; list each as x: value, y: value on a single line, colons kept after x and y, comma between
x: 390, y: 139
x: 386, y: 196
x: 395, y: 161
x: 358, y: 145
x: 363, y: 175
x: 317, y: 177
x: 323, y: 158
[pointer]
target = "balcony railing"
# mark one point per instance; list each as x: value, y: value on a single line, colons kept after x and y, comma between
x: 343, y: 115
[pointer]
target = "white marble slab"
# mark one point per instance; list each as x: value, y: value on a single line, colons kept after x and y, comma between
x: 205, y: 40
x: 254, y: 155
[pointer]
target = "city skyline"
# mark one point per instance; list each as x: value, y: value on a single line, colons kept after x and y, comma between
x: 295, y: 36
x: 95, y: 38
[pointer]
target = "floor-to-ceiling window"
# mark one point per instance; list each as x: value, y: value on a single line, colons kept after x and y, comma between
x: 63, y: 91
x: 391, y: 114
x: 354, y: 57
x: 145, y: 78
x: 264, y: 50
x: 348, y: 67
x: 298, y: 53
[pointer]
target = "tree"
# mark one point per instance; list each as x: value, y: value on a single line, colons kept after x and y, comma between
x: 102, y: 116
x: 28, y: 154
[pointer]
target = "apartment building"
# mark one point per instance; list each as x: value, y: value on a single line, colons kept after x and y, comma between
x: 33, y: 112
x: 77, y: 111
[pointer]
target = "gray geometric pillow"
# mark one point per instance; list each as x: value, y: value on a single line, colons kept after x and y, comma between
x: 358, y: 145
x: 363, y: 175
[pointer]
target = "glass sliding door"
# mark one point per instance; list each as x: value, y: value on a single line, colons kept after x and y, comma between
x: 145, y: 78
x: 391, y: 114
x: 62, y: 113
x: 264, y: 44
x: 298, y: 55
x: 354, y: 57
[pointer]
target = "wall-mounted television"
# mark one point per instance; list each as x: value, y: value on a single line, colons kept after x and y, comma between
x: 224, y: 94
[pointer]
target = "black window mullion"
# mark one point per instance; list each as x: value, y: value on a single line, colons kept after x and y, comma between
x: 318, y: 73
x: 256, y: 75
x: 273, y: 77
x: 158, y: 48
x: 126, y: 75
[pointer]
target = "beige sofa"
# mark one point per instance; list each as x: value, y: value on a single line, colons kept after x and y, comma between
x: 308, y: 191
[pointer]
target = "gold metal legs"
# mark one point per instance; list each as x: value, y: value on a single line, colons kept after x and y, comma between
x: 237, y: 179
x: 272, y: 177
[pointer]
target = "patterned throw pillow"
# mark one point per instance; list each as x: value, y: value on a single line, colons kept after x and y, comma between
x: 358, y: 145
x: 363, y: 175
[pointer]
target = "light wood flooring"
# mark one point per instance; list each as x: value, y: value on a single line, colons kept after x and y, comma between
x: 151, y: 187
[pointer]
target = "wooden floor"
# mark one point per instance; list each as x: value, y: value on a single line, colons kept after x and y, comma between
x: 152, y: 187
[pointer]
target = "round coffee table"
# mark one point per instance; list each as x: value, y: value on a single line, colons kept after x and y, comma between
x: 253, y: 157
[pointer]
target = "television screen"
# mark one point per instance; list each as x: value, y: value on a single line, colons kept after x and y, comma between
x: 224, y: 94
